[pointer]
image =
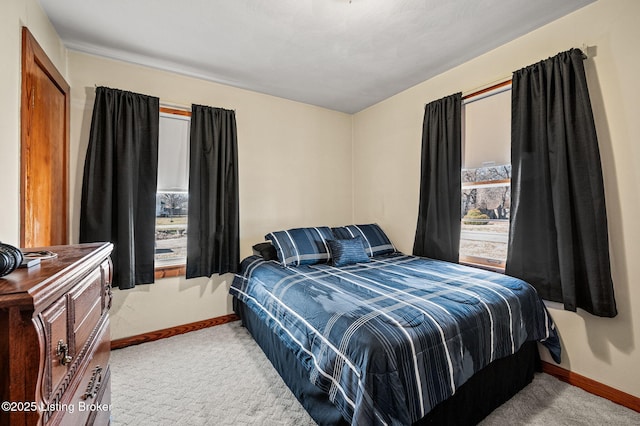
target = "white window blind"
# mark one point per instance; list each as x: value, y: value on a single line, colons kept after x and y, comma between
x: 487, y: 130
x: 173, y: 153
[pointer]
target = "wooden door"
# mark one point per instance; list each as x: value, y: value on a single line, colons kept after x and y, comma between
x: 45, y: 149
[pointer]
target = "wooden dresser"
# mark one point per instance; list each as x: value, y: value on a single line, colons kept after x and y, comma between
x: 55, y: 339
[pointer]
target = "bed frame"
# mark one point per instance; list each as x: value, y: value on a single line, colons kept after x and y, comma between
x: 480, y: 395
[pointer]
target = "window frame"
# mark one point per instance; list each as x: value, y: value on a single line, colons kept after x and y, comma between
x: 179, y: 269
x: 479, y: 261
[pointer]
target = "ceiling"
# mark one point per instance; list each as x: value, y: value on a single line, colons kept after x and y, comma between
x: 338, y: 54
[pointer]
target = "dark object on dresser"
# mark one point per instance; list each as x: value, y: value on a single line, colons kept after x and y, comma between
x: 55, y: 340
x: 10, y: 259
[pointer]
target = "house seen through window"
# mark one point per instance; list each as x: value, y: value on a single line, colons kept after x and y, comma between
x: 172, y: 193
x: 486, y: 178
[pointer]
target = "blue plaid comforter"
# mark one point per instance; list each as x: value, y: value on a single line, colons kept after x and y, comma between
x: 390, y: 339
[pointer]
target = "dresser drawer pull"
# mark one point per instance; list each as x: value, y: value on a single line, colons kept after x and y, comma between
x: 94, y: 384
x: 62, y: 352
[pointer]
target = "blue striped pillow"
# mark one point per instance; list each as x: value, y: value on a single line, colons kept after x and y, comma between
x: 347, y: 251
x: 302, y: 246
x: 376, y: 241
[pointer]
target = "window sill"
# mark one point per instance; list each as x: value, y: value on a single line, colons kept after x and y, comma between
x: 170, y: 271
x: 476, y: 262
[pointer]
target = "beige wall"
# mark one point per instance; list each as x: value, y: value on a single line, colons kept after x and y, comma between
x: 295, y: 170
x: 387, y: 167
x: 13, y: 15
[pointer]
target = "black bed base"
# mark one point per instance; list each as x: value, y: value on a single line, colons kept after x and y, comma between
x: 478, y: 397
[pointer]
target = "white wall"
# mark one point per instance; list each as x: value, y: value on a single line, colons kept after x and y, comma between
x: 387, y: 167
x: 13, y: 15
x: 294, y: 170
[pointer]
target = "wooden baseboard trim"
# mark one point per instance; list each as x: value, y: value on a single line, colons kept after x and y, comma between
x: 172, y: 331
x: 591, y: 386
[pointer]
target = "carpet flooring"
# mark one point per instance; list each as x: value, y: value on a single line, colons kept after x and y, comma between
x: 219, y: 376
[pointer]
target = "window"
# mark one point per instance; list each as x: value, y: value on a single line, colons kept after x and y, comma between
x: 486, y: 178
x: 173, y: 185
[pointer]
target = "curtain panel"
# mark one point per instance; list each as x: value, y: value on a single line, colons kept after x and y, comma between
x: 438, y: 229
x: 558, y: 231
x: 119, y: 182
x: 213, y: 244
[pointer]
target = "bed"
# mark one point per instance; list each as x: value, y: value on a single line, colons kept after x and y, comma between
x: 365, y: 335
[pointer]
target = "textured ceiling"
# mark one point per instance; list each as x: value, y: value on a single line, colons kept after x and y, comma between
x: 338, y: 54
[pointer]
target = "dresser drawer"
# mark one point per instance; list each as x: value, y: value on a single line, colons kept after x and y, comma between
x: 86, y: 307
x: 54, y: 319
x: 91, y: 386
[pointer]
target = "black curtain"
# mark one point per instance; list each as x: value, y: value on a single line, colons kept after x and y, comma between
x: 213, y: 245
x: 438, y: 229
x: 558, y: 232
x: 119, y: 183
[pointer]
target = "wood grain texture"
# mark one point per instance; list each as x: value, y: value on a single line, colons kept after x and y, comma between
x: 592, y: 386
x: 40, y: 286
x: 44, y: 165
x: 172, y: 331
x: 183, y: 112
x: 170, y: 271
x: 487, y: 89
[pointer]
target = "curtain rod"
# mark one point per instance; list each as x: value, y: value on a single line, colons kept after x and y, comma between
x: 168, y: 105
x: 183, y: 108
x: 175, y: 106
x: 507, y: 79
x: 484, y: 90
